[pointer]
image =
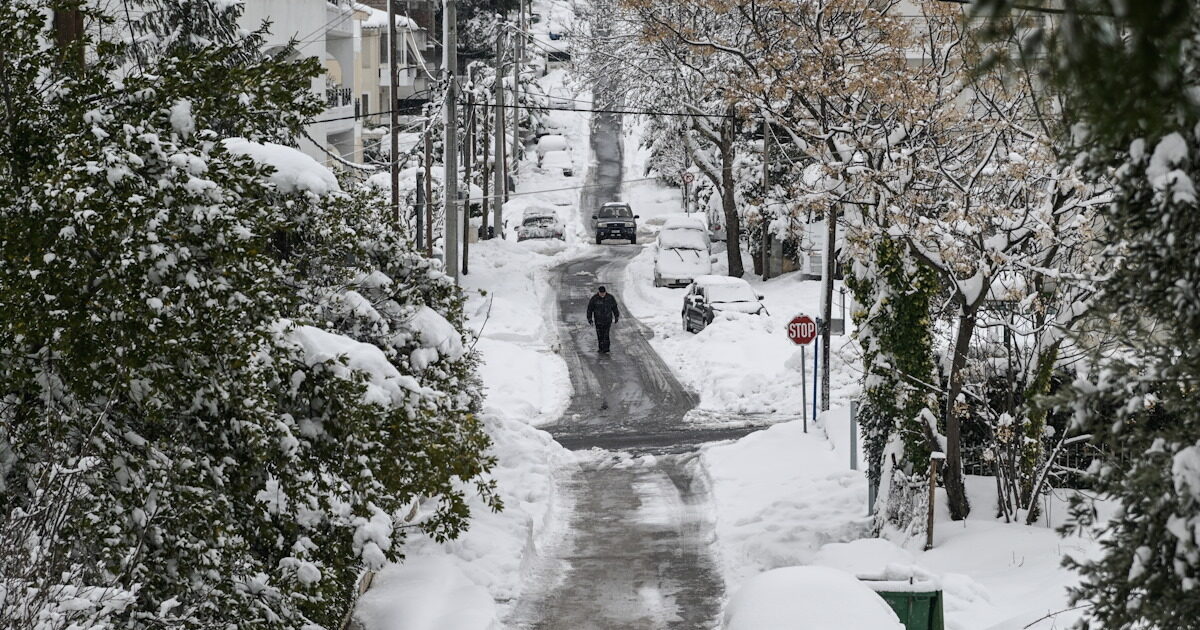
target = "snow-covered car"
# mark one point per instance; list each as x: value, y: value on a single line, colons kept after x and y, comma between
x: 709, y: 295
x: 681, y: 253
x: 560, y: 97
x: 615, y: 219
x: 540, y: 223
x: 548, y: 143
x: 559, y: 161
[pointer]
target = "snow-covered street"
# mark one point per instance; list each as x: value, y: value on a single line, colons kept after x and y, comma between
x: 599, y: 315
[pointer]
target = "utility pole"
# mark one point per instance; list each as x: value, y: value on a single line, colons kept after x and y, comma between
x: 499, y: 169
x: 484, y: 173
x: 428, y: 208
x: 395, y: 120
x: 68, y: 32
x: 468, y: 163
x: 518, y: 61
x: 450, y: 154
x: 766, y: 182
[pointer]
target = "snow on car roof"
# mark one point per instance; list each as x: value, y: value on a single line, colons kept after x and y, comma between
x: 538, y: 211
x: 556, y: 157
x: 711, y: 281
x: 683, y: 222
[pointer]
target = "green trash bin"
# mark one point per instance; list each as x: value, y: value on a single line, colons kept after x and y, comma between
x: 917, y: 604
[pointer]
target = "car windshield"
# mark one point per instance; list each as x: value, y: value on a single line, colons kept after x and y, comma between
x: 616, y: 212
x: 731, y: 293
x: 683, y: 238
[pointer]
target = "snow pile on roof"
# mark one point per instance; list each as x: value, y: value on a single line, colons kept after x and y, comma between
x: 379, y: 19
x: 426, y: 593
x: 385, y: 384
x: 808, y: 598
x: 294, y: 170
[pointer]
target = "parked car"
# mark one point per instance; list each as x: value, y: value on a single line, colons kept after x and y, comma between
x: 615, y: 219
x: 682, y: 252
x: 559, y: 160
x: 550, y: 124
x: 540, y: 223
x: 548, y: 143
x: 708, y: 295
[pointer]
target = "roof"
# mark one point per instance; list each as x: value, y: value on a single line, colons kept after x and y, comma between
x: 620, y: 204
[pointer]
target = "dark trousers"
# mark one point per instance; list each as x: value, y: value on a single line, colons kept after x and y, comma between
x: 602, y: 335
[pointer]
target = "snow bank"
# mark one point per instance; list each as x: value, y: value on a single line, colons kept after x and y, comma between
x: 428, y: 593
x: 779, y: 496
x: 808, y: 598
x: 294, y: 170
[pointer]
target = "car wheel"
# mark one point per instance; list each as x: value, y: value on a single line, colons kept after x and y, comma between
x: 597, y: 239
x: 633, y: 240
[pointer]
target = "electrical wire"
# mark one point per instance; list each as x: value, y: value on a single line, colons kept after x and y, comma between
x: 568, y: 188
x: 646, y: 112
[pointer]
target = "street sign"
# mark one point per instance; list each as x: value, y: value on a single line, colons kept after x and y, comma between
x: 688, y: 178
x: 802, y: 330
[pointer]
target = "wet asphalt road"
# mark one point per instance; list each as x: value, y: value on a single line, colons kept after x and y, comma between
x: 638, y: 550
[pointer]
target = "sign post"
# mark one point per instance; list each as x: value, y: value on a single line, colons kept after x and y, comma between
x: 802, y: 330
x: 687, y: 178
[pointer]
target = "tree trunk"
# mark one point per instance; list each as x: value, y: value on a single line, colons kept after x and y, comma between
x: 956, y: 492
x: 733, y: 226
x: 827, y: 303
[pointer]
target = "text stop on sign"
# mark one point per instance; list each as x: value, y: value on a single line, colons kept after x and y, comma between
x: 802, y: 330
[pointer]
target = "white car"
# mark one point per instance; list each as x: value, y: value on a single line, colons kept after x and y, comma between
x: 682, y: 252
x: 548, y: 143
x: 559, y: 161
x: 710, y: 295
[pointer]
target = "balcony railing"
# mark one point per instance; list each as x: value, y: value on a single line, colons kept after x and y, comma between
x: 338, y: 97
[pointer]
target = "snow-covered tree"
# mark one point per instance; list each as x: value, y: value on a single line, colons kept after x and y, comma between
x: 1128, y: 73
x: 654, y: 69
x: 226, y: 387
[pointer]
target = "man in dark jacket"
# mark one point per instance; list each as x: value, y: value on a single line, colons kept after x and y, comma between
x: 602, y: 311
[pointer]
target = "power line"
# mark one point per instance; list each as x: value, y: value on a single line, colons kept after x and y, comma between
x: 568, y: 188
x: 646, y: 112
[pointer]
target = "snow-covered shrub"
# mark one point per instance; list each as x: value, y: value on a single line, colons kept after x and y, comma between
x: 185, y: 336
x: 900, y: 380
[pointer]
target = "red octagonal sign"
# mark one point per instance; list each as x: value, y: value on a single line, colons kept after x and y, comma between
x: 802, y: 330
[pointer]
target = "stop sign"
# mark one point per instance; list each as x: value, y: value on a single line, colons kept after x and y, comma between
x: 802, y: 330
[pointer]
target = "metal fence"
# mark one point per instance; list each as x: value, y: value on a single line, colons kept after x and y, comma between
x: 338, y: 97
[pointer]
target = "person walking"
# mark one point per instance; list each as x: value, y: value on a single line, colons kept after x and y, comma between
x: 602, y: 311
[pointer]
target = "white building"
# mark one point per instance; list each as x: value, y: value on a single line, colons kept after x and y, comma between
x: 329, y: 31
